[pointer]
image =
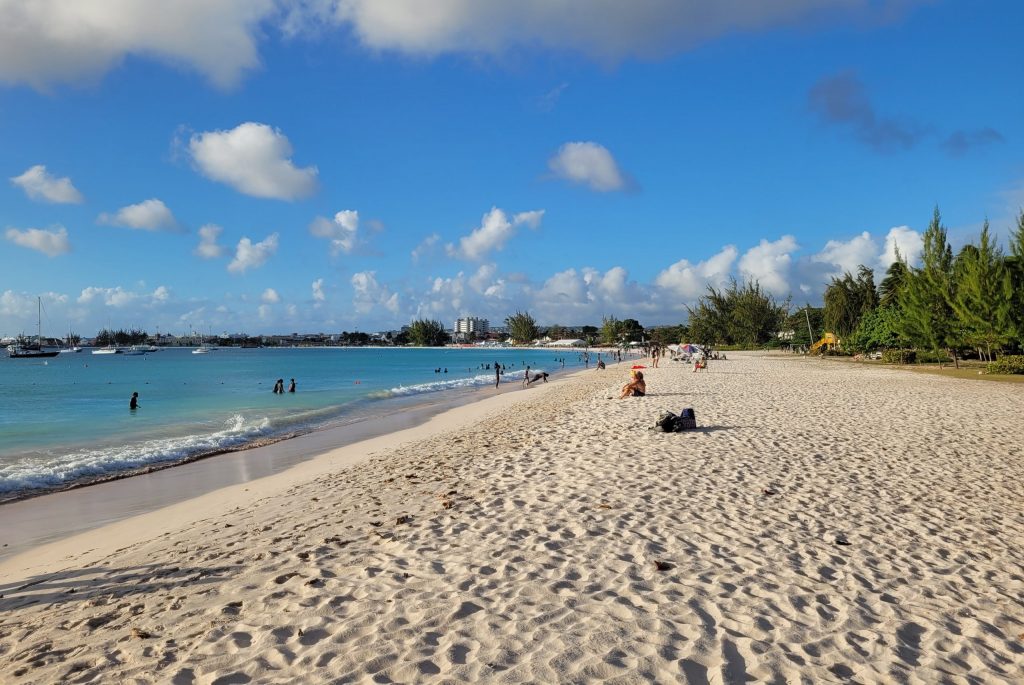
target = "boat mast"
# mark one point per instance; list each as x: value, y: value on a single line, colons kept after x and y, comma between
x: 39, y: 322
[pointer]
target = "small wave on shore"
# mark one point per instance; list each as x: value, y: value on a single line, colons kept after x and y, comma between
x: 96, y: 464
x: 478, y: 381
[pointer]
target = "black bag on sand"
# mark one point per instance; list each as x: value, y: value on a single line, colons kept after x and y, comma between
x: 666, y: 422
x: 687, y: 420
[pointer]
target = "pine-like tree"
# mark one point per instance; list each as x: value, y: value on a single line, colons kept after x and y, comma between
x: 982, y: 297
x: 927, y: 315
x: 1015, y: 269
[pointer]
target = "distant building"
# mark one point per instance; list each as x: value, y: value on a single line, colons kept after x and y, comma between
x: 471, y: 327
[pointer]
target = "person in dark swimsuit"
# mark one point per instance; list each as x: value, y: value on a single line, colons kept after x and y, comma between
x: 636, y: 387
x: 291, y: 388
x: 133, y: 403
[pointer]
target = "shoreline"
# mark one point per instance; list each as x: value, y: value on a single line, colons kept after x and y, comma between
x: 42, y: 521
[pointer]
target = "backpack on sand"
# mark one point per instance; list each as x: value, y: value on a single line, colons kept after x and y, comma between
x: 666, y: 422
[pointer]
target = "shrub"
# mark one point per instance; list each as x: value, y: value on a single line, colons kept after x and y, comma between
x: 1007, y: 364
x: 899, y: 356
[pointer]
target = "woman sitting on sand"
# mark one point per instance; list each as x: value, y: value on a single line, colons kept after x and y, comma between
x: 636, y: 387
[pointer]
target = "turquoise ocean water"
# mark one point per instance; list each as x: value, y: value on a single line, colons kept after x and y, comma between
x: 65, y: 420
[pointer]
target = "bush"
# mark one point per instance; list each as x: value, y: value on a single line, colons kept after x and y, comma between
x: 899, y: 356
x: 1007, y: 364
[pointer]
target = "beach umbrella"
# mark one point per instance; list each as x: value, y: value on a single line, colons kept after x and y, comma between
x: 690, y: 349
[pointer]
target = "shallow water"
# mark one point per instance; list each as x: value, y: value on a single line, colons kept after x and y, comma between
x: 65, y: 420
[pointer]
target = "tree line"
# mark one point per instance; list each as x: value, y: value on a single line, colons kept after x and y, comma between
x: 946, y: 306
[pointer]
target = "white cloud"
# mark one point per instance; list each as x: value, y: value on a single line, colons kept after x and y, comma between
x: 270, y: 296
x: 264, y: 311
x: 208, y: 247
x: 318, y: 290
x: 111, y: 297
x: 148, y: 215
x: 607, y: 30
x: 254, y: 159
x: 38, y: 184
x: 769, y: 264
x: 370, y: 295
x: 494, y: 231
x: 249, y: 255
x: 589, y: 164
x: 161, y: 294
x: 60, y: 41
x: 908, y: 241
x: 847, y: 256
x: 425, y: 247
x: 341, y: 231
x: 690, y: 281
x: 50, y: 243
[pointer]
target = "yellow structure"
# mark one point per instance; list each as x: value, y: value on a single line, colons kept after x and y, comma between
x: 829, y: 340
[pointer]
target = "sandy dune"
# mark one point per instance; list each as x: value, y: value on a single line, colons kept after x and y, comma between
x: 827, y: 523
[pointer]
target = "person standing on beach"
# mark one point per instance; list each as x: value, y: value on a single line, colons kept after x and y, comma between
x: 526, y: 377
x: 291, y: 388
x: 133, y: 403
x: 497, y: 374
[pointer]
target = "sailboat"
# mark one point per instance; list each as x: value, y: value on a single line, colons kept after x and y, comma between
x: 27, y: 350
x: 72, y: 347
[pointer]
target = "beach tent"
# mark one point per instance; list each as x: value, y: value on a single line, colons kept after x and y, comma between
x: 568, y: 342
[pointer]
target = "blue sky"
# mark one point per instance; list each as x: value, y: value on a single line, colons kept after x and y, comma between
x: 328, y: 165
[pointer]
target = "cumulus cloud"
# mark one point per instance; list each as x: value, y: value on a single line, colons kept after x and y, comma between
x: 588, y: 164
x: 56, y: 41
x: 769, y: 264
x: 690, y: 281
x: 254, y: 159
x: 50, y: 243
x: 370, y: 295
x: 842, y: 99
x: 39, y: 184
x: 606, y: 30
x: 148, y: 215
x: 495, y: 230
x: 907, y: 240
x: 270, y: 296
x: 161, y: 294
x: 341, y: 231
x: 846, y: 256
x: 250, y: 255
x: 318, y: 290
x: 208, y: 247
x: 112, y: 297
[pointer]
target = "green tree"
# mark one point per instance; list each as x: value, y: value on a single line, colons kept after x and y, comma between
x: 894, y: 282
x: 983, y: 294
x: 427, y: 333
x: 738, y: 315
x: 878, y: 329
x: 1015, y: 269
x: 927, y: 319
x: 847, y: 299
x: 797, y: 323
x: 632, y: 331
x: 521, y: 327
x: 611, y: 331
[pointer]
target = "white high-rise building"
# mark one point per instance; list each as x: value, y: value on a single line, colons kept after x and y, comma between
x: 471, y: 325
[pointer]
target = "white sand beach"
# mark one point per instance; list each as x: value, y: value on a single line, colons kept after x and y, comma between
x: 825, y: 523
